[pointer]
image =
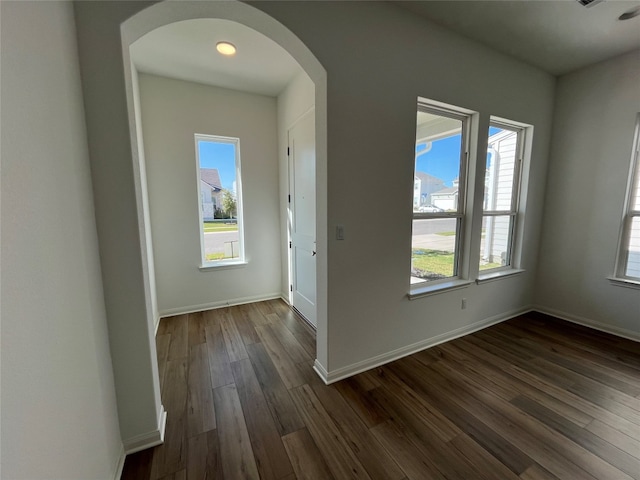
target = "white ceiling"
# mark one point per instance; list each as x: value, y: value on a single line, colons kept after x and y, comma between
x: 558, y: 36
x: 187, y: 51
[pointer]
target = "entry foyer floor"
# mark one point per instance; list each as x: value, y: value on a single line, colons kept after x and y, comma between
x: 530, y: 398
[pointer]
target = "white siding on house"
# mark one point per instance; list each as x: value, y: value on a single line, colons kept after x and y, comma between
x: 208, y: 200
x: 633, y: 258
x: 498, y: 196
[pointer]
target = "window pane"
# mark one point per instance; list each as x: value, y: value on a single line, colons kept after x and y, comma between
x: 433, y: 245
x: 218, y: 199
x: 635, y: 195
x: 437, y: 171
x: 501, y: 161
x: 633, y: 254
x: 494, y: 246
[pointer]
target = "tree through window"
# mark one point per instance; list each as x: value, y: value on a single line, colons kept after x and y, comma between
x: 218, y: 167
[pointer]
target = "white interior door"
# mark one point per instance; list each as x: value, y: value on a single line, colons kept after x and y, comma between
x: 302, y: 215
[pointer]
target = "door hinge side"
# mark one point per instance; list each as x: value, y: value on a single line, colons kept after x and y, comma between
x: 291, y: 288
x: 289, y: 244
x: 289, y: 198
x: 288, y: 151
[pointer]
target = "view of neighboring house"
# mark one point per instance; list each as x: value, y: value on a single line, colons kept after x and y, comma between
x: 446, y: 198
x: 501, y: 156
x: 423, y: 186
x: 210, y: 192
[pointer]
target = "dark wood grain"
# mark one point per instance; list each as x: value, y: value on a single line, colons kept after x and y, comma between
x: 200, y: 411
x: 341, y: 460
x: 219, y: 365
x: 236, y: 453
x: 284, y: 413
x: 162, y: 350
x: 179, y: 345
x: 533, y: 398
x: 271, y: 458
x: 308, y: 463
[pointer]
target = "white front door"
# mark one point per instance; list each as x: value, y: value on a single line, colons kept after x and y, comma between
x: 302, y: 215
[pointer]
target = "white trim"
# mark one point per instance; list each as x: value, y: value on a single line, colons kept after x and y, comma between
x: 378, y: 360
x: 120, y: 464
x: 149, y: 439
x: 620, y: 268
x: 222, y: 265
x: 285, y: 299
x: 157, y: 324
x: 235, y: 141
x: 491, y: 276
x: 419, y: 290
x: 624, y: 282
x: 165, y: 13
x: 586, y: 322
x: 321, y: 371
x: 220, y: 304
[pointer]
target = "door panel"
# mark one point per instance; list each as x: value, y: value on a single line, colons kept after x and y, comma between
x: 302, y: 182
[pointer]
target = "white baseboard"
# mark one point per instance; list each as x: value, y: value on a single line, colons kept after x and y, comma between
x: 220, y: 304
x: 587, y: 322
x: 378, y: 360
x: 120, y: 464
x: 321, y: 371
x: 157, y: 324
x: 147, y: 440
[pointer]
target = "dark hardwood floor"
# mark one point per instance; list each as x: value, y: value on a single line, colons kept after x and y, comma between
x: 530, y: 398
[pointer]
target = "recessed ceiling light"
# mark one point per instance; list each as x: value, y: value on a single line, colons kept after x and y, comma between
x: 226, y: 48
x: 630, y: 14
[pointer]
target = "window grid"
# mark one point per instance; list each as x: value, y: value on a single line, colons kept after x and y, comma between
x: 501, y: 200
x: 459, y: 214
x: 628, y: 265
x: 231, y: 250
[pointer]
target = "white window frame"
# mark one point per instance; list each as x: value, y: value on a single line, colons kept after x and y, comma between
x: 461, y: 273
x: 229, y: 262
x: 515, y: 212
x: 629, y: 213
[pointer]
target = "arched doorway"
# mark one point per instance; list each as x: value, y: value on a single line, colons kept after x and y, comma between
x: 167, y: 13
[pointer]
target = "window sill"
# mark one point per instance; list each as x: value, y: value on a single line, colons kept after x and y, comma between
x: 498, y: 275
x: 423, y: 291
x: 222, y: 265
x: 624, y: 282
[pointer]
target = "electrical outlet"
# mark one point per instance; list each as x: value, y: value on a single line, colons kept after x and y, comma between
x: 463, y: 304
x: 339, y: 232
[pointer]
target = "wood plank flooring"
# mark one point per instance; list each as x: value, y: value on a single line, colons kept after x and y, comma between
x: 531, y: 398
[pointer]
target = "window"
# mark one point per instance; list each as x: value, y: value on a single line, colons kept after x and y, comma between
x: 629, y: 251
x: 439, y: 200
x: 501, y: 195
x: 220, y: 200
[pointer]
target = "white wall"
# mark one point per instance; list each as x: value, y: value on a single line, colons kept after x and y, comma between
x: 594, y: 122
x: 375, y: 75
x: 172, y: 112
x: 294, y: 101
x: 123, y: 255
x: 374, y: 78
x: 59, y: 417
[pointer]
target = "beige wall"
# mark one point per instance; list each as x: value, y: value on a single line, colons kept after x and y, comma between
x: 59, y: 417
